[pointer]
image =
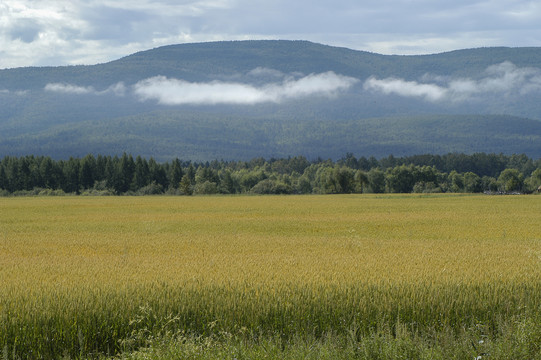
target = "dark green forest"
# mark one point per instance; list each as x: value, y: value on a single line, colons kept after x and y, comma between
x: 205, y: 136
x: 126, y: 175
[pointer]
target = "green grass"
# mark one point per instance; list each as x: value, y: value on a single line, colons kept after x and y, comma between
x: 516, y: 340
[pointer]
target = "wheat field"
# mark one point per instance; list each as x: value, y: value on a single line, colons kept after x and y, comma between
x: 98, y: 275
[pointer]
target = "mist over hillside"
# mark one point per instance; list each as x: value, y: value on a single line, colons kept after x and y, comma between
x: 242, y: 99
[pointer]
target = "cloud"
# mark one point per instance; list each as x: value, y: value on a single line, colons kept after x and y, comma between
x: 88, y: 32
x: 18, y: 92
x: 503, y: 79
x: 25, y: 30
x: 177, y: 92
x: 401, y: 87
x: 168, y: 91
x: 69, y: 89
x: 118, y: 89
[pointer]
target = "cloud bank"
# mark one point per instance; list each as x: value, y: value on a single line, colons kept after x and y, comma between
x: 177, y: 92
x: 503, y: 79
x: 118, y: 89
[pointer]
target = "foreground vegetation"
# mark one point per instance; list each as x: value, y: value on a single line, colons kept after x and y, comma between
x: 513, y: 343
x: 106, y: 175
x: 343, y: 276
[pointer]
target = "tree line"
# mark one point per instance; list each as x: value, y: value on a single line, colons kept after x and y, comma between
x: 126, y: 175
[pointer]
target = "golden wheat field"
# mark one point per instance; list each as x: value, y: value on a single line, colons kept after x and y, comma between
x: 79, y: 274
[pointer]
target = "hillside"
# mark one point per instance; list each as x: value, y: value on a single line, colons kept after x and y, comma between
x: 201, y: 137
x: 242, y: 99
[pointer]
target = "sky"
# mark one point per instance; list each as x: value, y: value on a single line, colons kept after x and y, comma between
x: 70, y: 32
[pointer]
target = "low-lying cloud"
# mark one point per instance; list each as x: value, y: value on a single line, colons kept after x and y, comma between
x: 169, y: 91
x: 401, y: 87
x: 502, y: 80
x: 118, y: 89
x: 69, y: 89
x: 17, y: 92
x: 177, y: 92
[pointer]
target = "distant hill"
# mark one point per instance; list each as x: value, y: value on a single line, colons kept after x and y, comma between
x: 244, y: 99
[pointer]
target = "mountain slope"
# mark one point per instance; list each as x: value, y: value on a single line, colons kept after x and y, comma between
x: 241, y: 99
x: 194, y: 136
x: 200, y: 61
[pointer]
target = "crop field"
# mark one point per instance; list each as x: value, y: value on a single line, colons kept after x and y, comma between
x: 98, y: 276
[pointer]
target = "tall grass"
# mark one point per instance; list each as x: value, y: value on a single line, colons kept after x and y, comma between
x: 83, y: 276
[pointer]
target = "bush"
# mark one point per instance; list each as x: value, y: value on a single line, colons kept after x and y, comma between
x: 94, y: 192
x: 426, y: 188
x: 39, y: 192
x: 269, y: 186
x: 206, y: 188
x: 151, y: 189
x: 51, y: 192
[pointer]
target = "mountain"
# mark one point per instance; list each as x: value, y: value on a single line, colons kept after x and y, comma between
x: 245, y: 99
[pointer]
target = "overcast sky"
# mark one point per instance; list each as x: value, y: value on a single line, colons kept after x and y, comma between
x: 61, y: 32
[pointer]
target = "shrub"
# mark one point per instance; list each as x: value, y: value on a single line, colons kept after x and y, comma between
x: 206, y: 188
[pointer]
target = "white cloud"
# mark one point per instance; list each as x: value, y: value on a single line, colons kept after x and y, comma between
x: 506, y: 77
x: 18, y: 92
x: 327, y: 84
x: 69, y: 89
x: 401, y: 87
x: 176, y: 92
x: 118, y: 89
x: 498, y: 80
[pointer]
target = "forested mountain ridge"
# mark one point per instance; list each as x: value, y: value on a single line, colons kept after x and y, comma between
x: 244, y: 99
x: 200, y: 61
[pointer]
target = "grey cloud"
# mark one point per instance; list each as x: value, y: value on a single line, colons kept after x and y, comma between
x: 177, y: 92
x: 498, y: 80
x: 145, y: 22
x: 116, y: 25
x: 87, y: 32
x: 368, y: 17
x: 25, y: 30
